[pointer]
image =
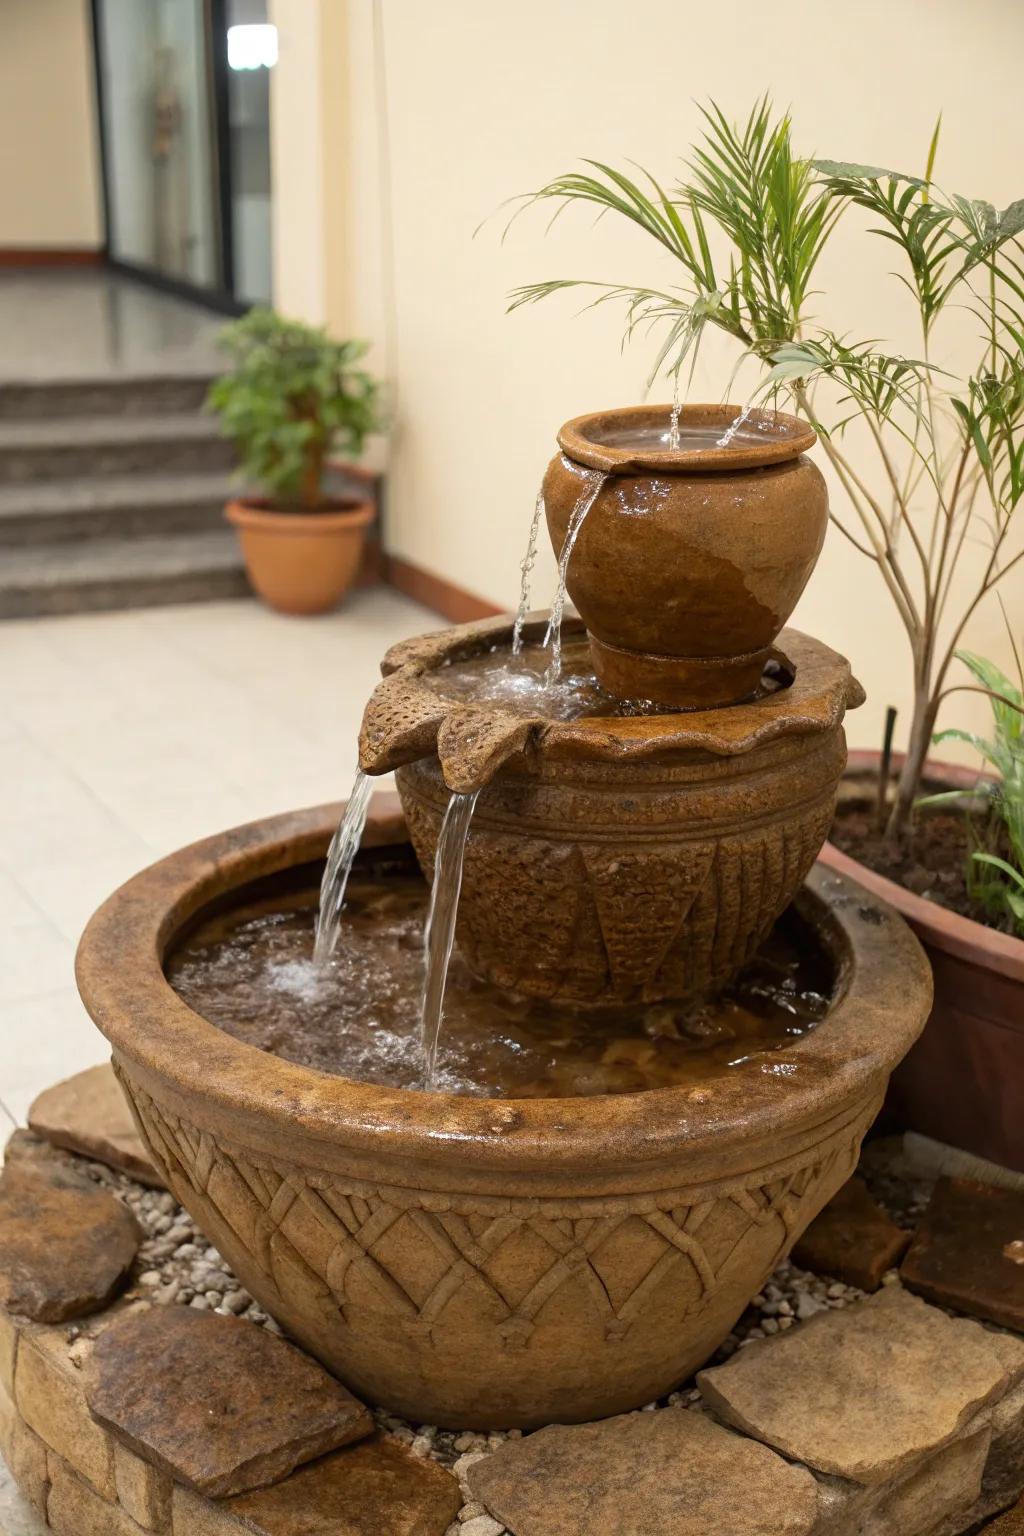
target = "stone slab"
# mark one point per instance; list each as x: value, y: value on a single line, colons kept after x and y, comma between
x: 852, y: 1240
x: 866, y: 1392
x: 1003, y: 1480
x: 75, y: 1509
x: 143, y: 1492
x: 89, y: 1114
x: 49, y: 1397
x: 968, y: 1252
x: 671, y: 1470
x: 24, y: 1453
x: 377, y: 1488
x: 65, y: 1246
x: 1010, y: 1524
x: 215, y: 1402
x: 8, y: 1352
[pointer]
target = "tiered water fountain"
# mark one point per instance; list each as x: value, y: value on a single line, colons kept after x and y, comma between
x: 546, y: 1190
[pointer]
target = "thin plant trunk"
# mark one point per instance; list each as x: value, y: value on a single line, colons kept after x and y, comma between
x: 908, y: 785
x: 312, y: 476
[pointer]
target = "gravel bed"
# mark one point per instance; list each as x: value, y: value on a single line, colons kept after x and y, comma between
x: 177, y: 1266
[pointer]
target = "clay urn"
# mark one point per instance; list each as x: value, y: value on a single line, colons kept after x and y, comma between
x: 689, y: 560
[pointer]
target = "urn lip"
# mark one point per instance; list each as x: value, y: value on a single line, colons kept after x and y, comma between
x: 611, y: 1144
x: 407, y: 718
x: 768, y: 437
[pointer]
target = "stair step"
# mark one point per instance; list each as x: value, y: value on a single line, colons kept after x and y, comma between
x: 120, y: 394
x: 100, y: 574
x: 53, y: 511
x: 66, y: 447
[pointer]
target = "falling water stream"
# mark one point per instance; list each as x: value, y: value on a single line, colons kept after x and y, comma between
x: 527, y: 572
x: 593, y: 480
x: 735, y: 426
x: 674, y: 415
x: 439, y: 935
x: 340, y: 855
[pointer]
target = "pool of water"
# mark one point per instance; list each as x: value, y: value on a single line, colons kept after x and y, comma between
x: 250, y: 971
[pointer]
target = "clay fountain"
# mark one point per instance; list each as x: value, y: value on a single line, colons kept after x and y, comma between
x: 533, y: 1168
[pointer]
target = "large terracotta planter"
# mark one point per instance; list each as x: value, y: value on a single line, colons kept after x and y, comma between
x: 301, y: 562
x: 689, y: 562
x: 615, y: 859
x: 491, y: 1262
x: 963, y: 1083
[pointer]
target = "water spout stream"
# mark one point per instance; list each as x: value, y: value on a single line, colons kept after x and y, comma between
x: 527, y: 571
x: 439, y: 936
x: 594, y: 479
x: 340, y: 857
x: 725, y: 441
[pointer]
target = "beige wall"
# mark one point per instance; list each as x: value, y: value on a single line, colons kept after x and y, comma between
x: 484, y: 101
x: 49, y: 162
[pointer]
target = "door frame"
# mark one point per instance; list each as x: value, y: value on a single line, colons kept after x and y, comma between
x: 219, y: 296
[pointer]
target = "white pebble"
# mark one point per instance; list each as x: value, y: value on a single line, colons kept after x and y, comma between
x: 482, y: 1525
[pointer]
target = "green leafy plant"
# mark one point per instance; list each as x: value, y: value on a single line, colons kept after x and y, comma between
x: 291, y: 398
x: 995, y: 882
x: 746, y: 224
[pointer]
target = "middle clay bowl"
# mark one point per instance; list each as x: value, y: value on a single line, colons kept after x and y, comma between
x: 690, y: 559
x: 613, y: 859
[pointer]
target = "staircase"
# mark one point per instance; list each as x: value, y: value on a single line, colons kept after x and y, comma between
x: 111, y: 496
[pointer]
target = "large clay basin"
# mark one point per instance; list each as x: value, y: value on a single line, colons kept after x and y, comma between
x: 690, y: 561
x: 485, y: 1262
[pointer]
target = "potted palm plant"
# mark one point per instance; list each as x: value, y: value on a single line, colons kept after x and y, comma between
x: 746, y: 225
x: 292, y: 399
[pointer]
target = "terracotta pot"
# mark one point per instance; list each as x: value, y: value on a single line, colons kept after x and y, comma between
x: 689, y: 562
x: 963, y: 1083
x: 301, y: 562
x: 486, y: 1262
x: 615, y: 859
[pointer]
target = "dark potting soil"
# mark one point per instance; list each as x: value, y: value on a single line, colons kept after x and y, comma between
x: 931, y: 862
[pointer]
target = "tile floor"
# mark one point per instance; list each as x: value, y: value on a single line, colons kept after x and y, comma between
x: 126, y: 735
x: 87, y: 323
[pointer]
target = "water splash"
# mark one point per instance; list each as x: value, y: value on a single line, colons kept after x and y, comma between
x: 527, y: 571
x: 340, y: 857
x: 439, y: 936
x: 593, y: 480
x: 735, y: 426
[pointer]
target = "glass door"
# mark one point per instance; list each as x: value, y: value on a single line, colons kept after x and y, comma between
x: 159, y: 139
x: 251, y: 55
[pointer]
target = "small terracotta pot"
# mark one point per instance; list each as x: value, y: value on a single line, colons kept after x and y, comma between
x: 301, y: 562
x: 689, y: 562
x: 963, y: 1082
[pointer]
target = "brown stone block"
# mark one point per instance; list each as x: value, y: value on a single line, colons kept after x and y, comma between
x: 66, y: 1246
x: 8, y: 1351
x: 673, y: 1471
x: 376, y: 1488
x: 853, y: 1239
x: 75, y: 1509
x: 89, y: 1114
x: 24, y: 1453
x: 968, y: 1252
x: 143, y: 1491
x: 215, y: 1402
x: 50, y: 1398
x: 1010, y: 1524
x: 868, y: 1392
